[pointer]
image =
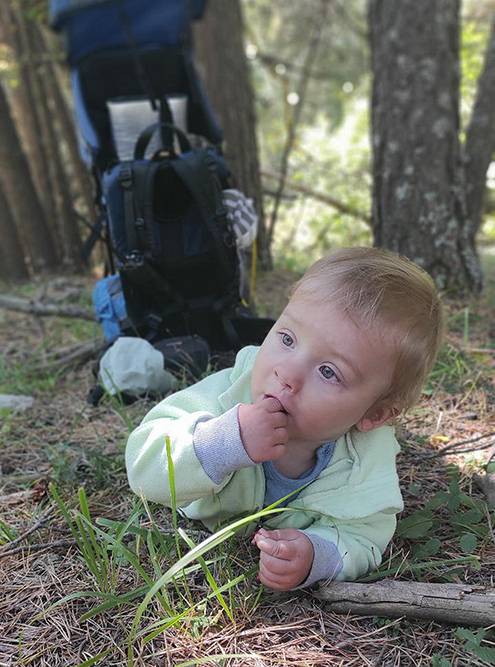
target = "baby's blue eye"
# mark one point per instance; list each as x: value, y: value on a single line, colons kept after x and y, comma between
x: 287, y: 339
x: 327, y: 372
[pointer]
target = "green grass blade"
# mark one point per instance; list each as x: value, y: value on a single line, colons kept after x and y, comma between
x: 417, y: 567
x: 173, y: 494
x: 209, y: 577
x: 95, y: 659
x: 206, y: 545
x: 64, y: 511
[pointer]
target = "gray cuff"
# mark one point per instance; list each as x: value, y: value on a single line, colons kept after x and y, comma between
x: 327, y: 561
x: 218, y: 446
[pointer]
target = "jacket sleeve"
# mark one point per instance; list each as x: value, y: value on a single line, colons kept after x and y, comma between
x: 360, y: 542
x: 175, y: 417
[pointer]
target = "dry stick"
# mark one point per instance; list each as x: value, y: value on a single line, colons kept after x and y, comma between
x: 459, y: 604
x: 41, y: 521
x: 45, y: 309
x: 77, y: 356
x: 453, y: 446
x: 301, y: 92
x: 58, y: 544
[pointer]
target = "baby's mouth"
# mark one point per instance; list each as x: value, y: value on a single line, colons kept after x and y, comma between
x: 281, y: 404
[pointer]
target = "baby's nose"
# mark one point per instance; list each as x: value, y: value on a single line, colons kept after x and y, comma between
x: 288, y: 378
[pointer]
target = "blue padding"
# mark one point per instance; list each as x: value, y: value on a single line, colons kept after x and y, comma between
x: 96, y: 25
x: 109, y: 306
x: 87, y: 137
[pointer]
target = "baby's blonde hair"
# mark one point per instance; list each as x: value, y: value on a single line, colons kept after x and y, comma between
x: 378, y: 287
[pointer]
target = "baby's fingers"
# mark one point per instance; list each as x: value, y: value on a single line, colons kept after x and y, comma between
x: 275, y: 548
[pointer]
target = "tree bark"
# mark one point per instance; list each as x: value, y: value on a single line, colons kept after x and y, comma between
x: 419, y: 206
x: 55, y: 125
x: 82, y: 182
x: 12, y: 262
x: 459, y: 604
x: 25, y: 109
x: 480, y: 137
x: 224, y: 69
x: 17, y: 183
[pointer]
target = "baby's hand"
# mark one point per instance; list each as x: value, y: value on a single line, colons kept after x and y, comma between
x: 263, y: 427
x: 286, y: 557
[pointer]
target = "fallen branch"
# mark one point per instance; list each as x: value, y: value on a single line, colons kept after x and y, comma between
x: 75, y: 356
x: 459, y: 604
x: 39, y: 548
x: 43, y: 309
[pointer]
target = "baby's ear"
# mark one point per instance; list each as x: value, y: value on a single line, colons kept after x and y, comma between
x: 375, y: 417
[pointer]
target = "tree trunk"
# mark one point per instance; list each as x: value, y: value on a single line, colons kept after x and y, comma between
x: 24, y: 107
x: 480, y: 136
x: 223, y: 65
x: 460, y: 604
x: 17, y: 183
x: 419, y: 206
x: 12, y: 263
x: 82, y: 182
x: 55, y: 124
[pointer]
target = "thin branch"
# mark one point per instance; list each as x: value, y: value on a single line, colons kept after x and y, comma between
x: 41, y: 522
x: 57, y: 544
x: 78, y: 355
x: 314, y: 43
x: 453, y: 447
x: 320, y: 196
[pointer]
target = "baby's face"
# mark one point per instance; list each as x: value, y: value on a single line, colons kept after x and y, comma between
x: 325, y: 369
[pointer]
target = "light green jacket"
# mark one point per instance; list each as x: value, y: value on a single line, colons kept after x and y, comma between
x: 352, y: 503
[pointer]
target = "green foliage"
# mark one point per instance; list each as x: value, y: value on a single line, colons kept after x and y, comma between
x: 7, y: 533
x: 439, y: 661
x: 110, y: 548
x: 454, y: 371
x: 21, y: 377
x: 448, y: 515
x: 71, y: 465
x: 472, y: 643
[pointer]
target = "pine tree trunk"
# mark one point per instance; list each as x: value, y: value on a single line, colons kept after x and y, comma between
x: 56, y: 128
x: 12, y: 262
x: 24, y: 107
x: 224, y: 69
x: 480, y: 137
x: 82, y: 184
x: 419, y: 200
x: 17, y: 183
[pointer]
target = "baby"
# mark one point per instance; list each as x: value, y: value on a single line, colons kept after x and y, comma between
x: 305, y: 413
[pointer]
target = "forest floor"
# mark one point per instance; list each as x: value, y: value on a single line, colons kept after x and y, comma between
x: 62, y: 443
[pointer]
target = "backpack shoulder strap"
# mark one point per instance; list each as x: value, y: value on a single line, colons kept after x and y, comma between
x: 196, y: 171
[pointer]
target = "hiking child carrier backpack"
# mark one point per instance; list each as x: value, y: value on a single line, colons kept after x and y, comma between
x: 175, y: 246
x: 160, y: 199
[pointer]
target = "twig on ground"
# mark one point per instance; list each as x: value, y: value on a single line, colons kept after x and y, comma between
x: 77, y: 355
x: 452, y: 447
x: 44, y: 309
x: 57, y: 544
x: 41, y: 521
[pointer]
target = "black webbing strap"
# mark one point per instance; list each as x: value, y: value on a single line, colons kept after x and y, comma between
x: 126, y: 183
x: 194, y: 171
